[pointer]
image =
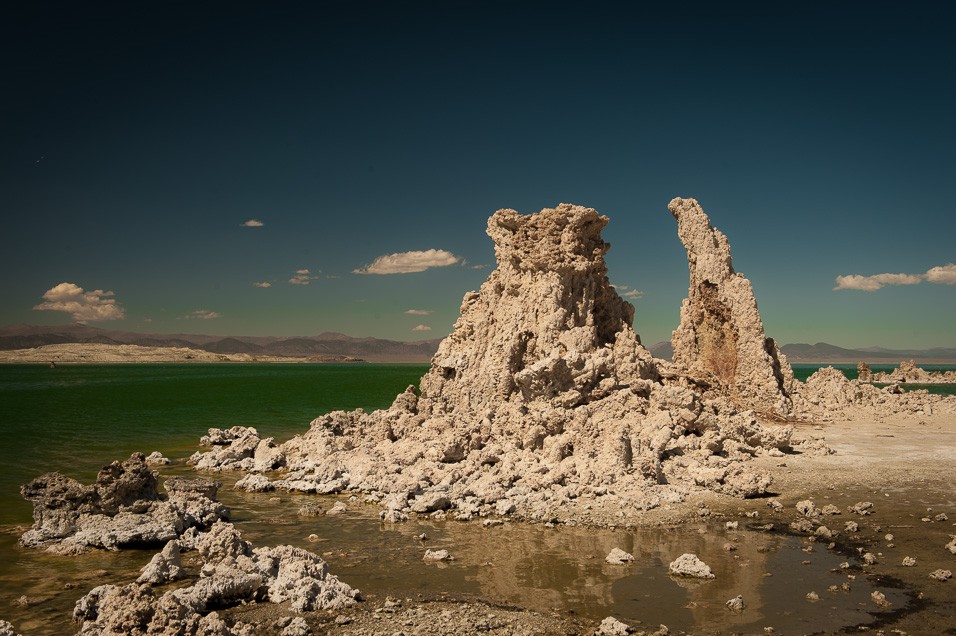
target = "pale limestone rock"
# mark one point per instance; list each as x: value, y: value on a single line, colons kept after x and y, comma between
x: 123, y: 507
x: 610, y: 626
x: 721, y: 334
x: 7, y: 629
x: 736, y: 604
x: 691, y: 566
x: 232, y: 572
x: 437, y: 555
x: 618, y: 556
x: 164, y: 566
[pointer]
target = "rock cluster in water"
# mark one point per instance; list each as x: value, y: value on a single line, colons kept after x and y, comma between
x: 909, y: 373
x: 122, y: 508
x: 231, y: 572
x: 543, y: 393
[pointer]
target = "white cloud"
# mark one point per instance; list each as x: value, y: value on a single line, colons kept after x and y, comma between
x: 421, y: 328
x: 942, y: 274
x: 82, y: 305
x: 203, y: 314
x: 633, y: 293
x: 302, y: 277
x: 408, y: 262
x: 262, y: 284
x: 418, y: 312
x: 253, y: 223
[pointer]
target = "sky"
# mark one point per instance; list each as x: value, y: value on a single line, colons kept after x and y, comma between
x: 281, y: 168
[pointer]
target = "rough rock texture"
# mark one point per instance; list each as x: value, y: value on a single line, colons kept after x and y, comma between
x: 908, y: 372
x: 232, y: 572
x: 237, y: 448
x: 721, y: 335
x: 828, y: 394
x: 122, y: 508
x: 7, y: 629
x: 541, y: 394
x: 690, y: 565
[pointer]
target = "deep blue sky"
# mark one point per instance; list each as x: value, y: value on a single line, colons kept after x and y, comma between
x: 138, y: 137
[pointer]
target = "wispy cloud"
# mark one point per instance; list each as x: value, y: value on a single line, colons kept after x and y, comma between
x: 82, y: 305
x: 302, y: 277
x: 262, y: 284
x: 421, y: 328
x: 418, y: 312
x: 630, y: 293
x: 253, y: 223
x: 408, y: 262
x: 940, y: 275
x: 202, y: 314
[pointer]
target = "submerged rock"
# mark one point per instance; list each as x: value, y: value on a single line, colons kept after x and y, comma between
x: 122, y: 508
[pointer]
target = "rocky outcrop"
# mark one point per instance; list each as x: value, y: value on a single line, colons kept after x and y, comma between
x: 909, y: 373
x: 721, y: 335
x: 828, y: 393
x: 543, y: 393
x: 231, y: 572
x: 237, y: 448
x: 122, y: 508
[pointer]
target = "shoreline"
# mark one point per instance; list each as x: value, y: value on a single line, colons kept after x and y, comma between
x: 73, y: 353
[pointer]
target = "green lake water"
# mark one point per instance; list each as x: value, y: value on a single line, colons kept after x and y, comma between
x: 77, y: 418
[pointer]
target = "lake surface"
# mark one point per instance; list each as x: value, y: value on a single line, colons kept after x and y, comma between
x: 75, y: 419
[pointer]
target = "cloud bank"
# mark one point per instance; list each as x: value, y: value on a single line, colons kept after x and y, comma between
x: 421, y: 328
x: 302, y: 277
x: 82, y: 305
x: 262, y: 284
x: 418, y: 312
x: 253, y: 223
x: 202, y: 314
x: 940, y: 275
x: 408, y: 262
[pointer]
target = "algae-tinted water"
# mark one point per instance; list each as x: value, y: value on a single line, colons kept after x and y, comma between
x: 77, y: 418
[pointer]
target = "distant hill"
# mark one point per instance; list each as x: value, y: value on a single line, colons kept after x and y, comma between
x: 325, y: 345
x: 662, y: 350
x: 378, y: 350
x: 824, y: 352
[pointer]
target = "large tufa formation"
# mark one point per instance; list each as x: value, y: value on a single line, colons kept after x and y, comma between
x: 542, y: 396
x: 721, y: 335
x: 546, y: 325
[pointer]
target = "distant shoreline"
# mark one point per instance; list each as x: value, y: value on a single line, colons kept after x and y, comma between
x: 77, y: 353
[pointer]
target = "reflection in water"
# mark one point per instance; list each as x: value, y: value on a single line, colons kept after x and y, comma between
x: 535, y: 567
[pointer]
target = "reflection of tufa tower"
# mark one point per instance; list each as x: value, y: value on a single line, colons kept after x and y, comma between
x: 720, y: 333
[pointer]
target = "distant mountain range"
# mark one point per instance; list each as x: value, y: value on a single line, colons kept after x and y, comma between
x: 823, y: 352
x: 377, y: 350
x: 323, y: 345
